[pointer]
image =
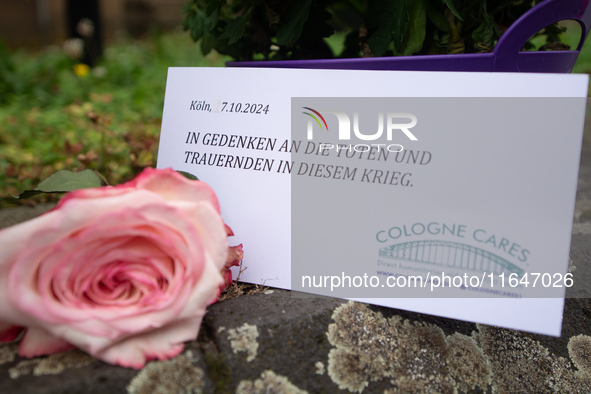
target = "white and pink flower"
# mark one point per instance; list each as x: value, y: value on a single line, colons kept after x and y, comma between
x: 124, y: 272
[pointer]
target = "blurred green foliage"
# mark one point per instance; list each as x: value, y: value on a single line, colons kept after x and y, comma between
x: 52, y: 118
x: 109, y: 119
x: 296, y: 29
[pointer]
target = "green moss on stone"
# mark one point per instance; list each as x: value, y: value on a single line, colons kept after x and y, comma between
x: 218, y: 371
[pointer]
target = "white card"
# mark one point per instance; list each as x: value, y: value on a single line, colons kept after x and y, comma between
x: 490, y: 181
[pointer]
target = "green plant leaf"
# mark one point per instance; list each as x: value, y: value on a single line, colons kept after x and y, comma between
x: 188, y: 175
x: 235, y: 28
x: 196, y: 24
x: 451, y: 7
x: 187, y: 7
x: 210, y: 21
x: 416, y: 28
x: 213, y: 5
x: 316, y: 26
x: 207, y: 44
x: 65, y: 181
x: 438, y: 19
x: 390, y: 17
x: 483, y: 33
x: 296, y: 15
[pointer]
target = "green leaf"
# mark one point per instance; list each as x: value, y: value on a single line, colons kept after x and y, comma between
x: 359, y: 5
x: 187, y: 7
x: 416, y: 28
x: 390, y: 17
x: 65, y: 181
x: 197, y: 24
x: 451, y: 7
x: 188, y: 175
x: 296, y: 15
x: 483, y: 33
x: 211, y: 21
x: 207, y: 44
x: 27, y: 194
x: 438, y: 19
x: 351, y: 45
x: 236, y: 27
x: 188, y: 11
x: 213, y: 5
x: 317, y: 26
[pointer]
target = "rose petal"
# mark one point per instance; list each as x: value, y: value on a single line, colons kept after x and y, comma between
x: 235, y: 254
x: 8, y: 332
x: 12, y: 241
x: 175, y: 187
x: 227, y: 275
x: 204, y: 293
x: 38, y: 342
x: 229, y: 231
x: 161, y: 344
x: 210, y: 229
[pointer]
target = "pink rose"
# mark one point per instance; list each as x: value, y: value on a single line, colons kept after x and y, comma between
x: 235, y: 254
x: 124, y: 273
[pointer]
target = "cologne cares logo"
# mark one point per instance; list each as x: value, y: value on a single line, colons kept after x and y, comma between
x: 391, y: 123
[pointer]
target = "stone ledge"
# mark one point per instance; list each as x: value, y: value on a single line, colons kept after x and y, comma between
x: 282, y: 344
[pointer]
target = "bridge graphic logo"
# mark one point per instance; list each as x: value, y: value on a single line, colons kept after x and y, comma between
x: 451, y: 255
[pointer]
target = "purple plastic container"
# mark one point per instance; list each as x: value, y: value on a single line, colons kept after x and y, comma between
x: 506, y: 57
